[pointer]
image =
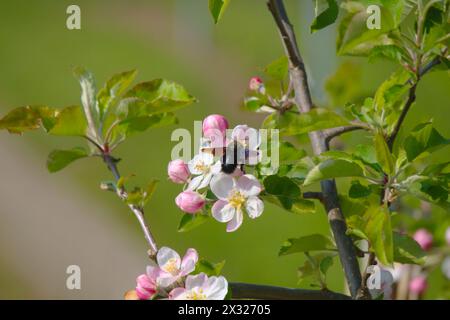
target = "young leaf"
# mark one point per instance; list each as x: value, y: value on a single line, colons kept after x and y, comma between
x: 384, y: 156
x: 313, y: 271
x: 407, y: 250
x: 113, y: 89
x: 423, y: 138
x: 313, y: 242
x: 191, y: 221
x: 379, y: 232
x: 357, y: 190
x: 333, y: 168
x: 278, y: 69
x: 326, y: 17
x: 59, y: 159
x: 211, y: 269
x: 69, y: 121
x: 27, y: 118
x: 150, y: 190
x: 217, y: 8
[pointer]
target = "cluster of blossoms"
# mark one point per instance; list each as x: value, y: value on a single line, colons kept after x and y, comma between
x: 219, y: 166
x: 170, y: 278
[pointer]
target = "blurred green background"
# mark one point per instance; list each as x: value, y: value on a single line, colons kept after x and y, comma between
x: 50, y: 221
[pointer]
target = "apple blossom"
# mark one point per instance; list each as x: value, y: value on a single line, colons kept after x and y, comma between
x: 214, y: 125
x: 201, y: 287
x: 424, y: 239
x: 178, y: 171
x: 169, y: 266
x: 236, y: 194
x: 190, y: 201
x: 418, y: 285
x: 204, y: 168
x: 248, y: 140
x: 146, y: 286
x: 256, y: 84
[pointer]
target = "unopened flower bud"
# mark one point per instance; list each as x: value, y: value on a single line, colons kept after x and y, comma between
x: 424, y: 239
x: 215, y: 125
x: 256, y: 84
x: 418, y: 285
x: 178, y: 171
x: 190, y: 201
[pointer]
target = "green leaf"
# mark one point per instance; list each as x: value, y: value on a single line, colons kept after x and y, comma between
x: 407, y: 250
x: 355, y: 38
x: 150, y: 190
x: 430, y: 189
x: 113, y: 89
x: 211, y: 269
x: 157, y: 96
x: 88, y: 98
x: 313, y: 242
x: 384, y: 156
x: 291, y: 124
x: 278, y: 69
x: 333, y: 168
x: 69, y: 121
x: 191, y: 221
x: 357, y: 190
x: 379, y: 232
x: 423, y: 138
x: 217, y: 8
x: 134, y: 125
x: 59, y: 159
x: 326, y: 17
x: 27, y: 118
x: 313, y: 271
x: 390, y: 52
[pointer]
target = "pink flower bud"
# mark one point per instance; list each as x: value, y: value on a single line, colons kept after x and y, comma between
x: 255, y: 84
x: 178, y: 171
x: 424, y: 239
x: 447, y: 236
x: 214, y: 125
x: 146, y: 287
x: 190, y: 201
x: 418, y: 285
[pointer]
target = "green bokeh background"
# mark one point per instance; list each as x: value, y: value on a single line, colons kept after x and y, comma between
x: 176, y: 40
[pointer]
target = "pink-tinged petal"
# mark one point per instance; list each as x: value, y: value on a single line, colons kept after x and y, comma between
x: 221, y: 185
x: 424, y: 239
x: 196, y: 281
x: 216, y: 288
x: 189, y: 261
x: 195, y: 182
x: 168, y: 259
x: 236, y: 222
x: 178, y: 294
x: 248, y: 185
x: 143, y: 294
x: 254, y: 207
x: 222, y: 211
x: 166, y: 279
x: 239, y: 132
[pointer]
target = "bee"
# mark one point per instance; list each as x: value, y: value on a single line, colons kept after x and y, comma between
x: 229, y: 157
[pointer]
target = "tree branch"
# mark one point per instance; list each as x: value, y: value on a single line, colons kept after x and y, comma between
x: 313, y: 195
x: 255, y: 291
x: 303, y: 100
x: 334, y: 132
x: 138, y: 211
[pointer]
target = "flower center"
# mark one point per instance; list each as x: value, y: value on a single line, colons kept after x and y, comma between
x: 171, y: 266
x: 196, y: 295
x: 236, y: 199
x: 200, y: 166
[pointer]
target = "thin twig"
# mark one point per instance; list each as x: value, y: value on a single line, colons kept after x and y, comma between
x: 255, y: 291
x: 304, y: 103
x: 335, y: 132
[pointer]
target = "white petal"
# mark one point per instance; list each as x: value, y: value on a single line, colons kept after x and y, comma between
x: 189, y: 261
x: 236, y: 222
x: 196, y: 281
x: 216, y: 167
x: 192, y: 164
x: 222, y: 211
x: 217, y: 288
x: 239, y: 132
x: 195, y: 183
x: 178, y: 294
x: 166, y: 279
x: 221, y: 185
x: 167, y: 257
x: 205, y: 182
x: 248, y: 185
x: 254, y: 207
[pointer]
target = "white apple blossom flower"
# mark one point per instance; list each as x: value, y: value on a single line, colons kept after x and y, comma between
x: 170, y: 267
x: 204, y: 168
x: 235, y: 195
x: 201, y: 287
x: 248, y: 140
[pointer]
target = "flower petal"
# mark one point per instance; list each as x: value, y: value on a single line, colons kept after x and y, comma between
x: 168, y: 258
x: 254, y: 207
x: 248, y: 185
x: 196, y: 281
x: 189, y: 261
x: 195, y: 182
x: 178, y: 294
x: 222, y: 211
x: 236, y: 222
x: 216, y: 288
x: 205, y: 182
x: 221, y: 185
